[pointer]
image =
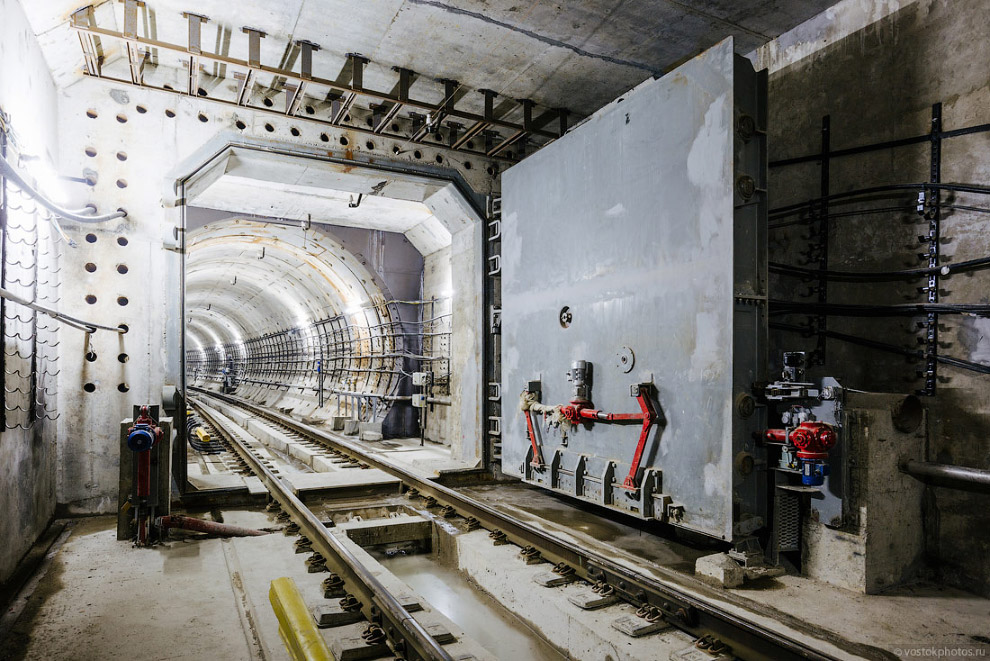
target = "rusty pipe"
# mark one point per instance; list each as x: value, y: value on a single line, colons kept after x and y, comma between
x: 201, y: 525
x: 955, y: 477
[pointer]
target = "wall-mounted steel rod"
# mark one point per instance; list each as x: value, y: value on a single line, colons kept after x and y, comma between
x: 947, y: 475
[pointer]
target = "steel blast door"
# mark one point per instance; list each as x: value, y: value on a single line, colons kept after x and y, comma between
x: 648, y: 222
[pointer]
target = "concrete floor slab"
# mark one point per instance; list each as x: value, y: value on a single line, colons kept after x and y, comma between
x: 104, y: 599
x: 340, y: 480
x: 845, y: 622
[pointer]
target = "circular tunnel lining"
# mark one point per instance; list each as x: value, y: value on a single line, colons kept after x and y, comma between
x: 280, y: 312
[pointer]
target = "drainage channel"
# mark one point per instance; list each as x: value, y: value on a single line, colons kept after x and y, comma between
x: 709, y: 622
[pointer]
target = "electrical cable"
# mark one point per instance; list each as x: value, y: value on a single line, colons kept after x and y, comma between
x: 68, y: 214
x: 54, y: 314
x: 883, y: 346
x: 945, y: 269
x: 959, y: 188
x: 858, y: 310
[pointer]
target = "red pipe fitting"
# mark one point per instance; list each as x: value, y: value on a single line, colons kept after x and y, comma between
x: 813, y: 440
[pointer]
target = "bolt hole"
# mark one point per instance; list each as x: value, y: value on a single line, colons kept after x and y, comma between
x: 347, y: 118
x: 240, y: 125
x: 121, y: 183
x: 124, y: 327
x: 122, y: 118
x: 267, y: 102
x: 324, y: 137
x: 121, y: 240
x: 122, y: 358
x: 169, y: 113
x: 90, y: 299
x: 201, y: 92
x: 294, y: 131
x: 122, y: 301
x: 203, y: 118
x: 343, y: 141
x: 396, y: 150
x: 417, y: 154
x: 310, y: 110
x: 469, y: 145
x: 168, y: 87
x: 121, y: 156
x: 439, y: 158
x: 91, y: 267
x: 90, y: 238
x: 89, y: 387
x: 565, y: 317
x: 492, y: 170
x: 141, y: 110
x: 395, y: 128
x: 269, y: 128
x: 91, y: 152
x: 92, y: 114
x: 122, y: 268
x: 123, y: 387
x: 467, y: 165
x: 91, y: 356
x: 369, y: 144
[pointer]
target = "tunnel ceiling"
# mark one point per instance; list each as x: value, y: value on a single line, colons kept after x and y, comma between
x: 577, y: 54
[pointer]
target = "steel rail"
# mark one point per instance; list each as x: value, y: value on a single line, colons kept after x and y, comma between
x: 376, y: 600
x: 690, y: 613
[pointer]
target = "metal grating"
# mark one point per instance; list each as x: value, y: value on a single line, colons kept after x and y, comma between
x: 787, y: 521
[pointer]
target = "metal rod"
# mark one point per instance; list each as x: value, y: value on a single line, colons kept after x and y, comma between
x: 955, y: 477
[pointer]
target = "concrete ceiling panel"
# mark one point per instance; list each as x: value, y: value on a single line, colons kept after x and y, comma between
x: 577, y: 54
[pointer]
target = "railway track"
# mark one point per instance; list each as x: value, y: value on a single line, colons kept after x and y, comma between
x: 714, y: 626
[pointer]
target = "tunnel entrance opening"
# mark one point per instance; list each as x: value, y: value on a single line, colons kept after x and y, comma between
x: 348, y: 295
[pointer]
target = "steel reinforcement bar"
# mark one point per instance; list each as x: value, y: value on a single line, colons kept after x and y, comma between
x: 747, y: 638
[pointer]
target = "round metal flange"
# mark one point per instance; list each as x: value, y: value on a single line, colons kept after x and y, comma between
x: 625, y: 359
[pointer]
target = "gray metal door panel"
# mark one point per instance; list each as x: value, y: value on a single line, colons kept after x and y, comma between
x: 628, y: 221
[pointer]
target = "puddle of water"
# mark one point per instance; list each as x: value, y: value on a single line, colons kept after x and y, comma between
x: 448, y: 591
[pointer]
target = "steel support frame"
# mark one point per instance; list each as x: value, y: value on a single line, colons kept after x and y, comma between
x: 84, y: 23
x: 929, y: 206
x: 820, y: 248
x: 686, y: 611
x: 492, y: 337
x: 934, y: 216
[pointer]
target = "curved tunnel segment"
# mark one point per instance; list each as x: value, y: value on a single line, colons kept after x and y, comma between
x: 293, y: 318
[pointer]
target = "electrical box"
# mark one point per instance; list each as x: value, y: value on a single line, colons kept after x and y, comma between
x: 419, y: 400
x: 634, y: 276
x: 421, y: 378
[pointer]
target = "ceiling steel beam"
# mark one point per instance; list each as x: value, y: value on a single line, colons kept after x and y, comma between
x: 342, y: 96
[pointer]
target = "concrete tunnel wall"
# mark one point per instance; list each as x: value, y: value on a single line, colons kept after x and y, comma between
x: 27, y: 451
x: 831, y: 65
x: 139, y: 139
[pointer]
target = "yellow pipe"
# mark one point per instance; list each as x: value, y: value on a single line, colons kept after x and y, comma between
x: 203, y: 435
x: 295, y: 624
